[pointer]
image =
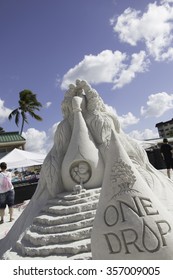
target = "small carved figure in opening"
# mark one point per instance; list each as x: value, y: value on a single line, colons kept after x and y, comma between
x: 81, y: 172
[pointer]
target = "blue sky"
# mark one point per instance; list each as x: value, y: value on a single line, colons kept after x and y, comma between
x: 124, y: 49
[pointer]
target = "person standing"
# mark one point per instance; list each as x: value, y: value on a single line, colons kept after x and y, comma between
x: 166, y: 152
x: 6, y: 192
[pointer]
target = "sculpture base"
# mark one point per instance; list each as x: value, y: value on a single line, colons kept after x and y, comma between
x: 62, y: 230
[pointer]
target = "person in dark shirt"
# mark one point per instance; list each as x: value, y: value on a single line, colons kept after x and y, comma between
x: 166, y: 152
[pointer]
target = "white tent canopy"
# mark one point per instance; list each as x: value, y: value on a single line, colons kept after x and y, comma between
x: 19, y: 158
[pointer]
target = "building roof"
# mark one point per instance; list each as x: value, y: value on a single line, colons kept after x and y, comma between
x: 163, y: 123
x: 11, y: 137
x: 158, y: 141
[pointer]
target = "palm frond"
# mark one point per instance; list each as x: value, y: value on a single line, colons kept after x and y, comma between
x: 28, y: 103
x: 13, y: 113
x: 2, y: 130
x: 17, y: 118
x: 35, y: 116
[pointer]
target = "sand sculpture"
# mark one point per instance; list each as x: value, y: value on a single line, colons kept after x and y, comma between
x: 98, y: 196
x: 131, y: 222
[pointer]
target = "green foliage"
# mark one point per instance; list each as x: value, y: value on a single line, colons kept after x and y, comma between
x: 1, y: 130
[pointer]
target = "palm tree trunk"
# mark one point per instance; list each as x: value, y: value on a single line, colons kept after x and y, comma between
x: 22, y: 126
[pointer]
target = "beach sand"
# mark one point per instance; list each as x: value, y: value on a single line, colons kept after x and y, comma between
x: 6, y: 226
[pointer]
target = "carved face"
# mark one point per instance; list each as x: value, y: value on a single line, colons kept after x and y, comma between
x: 83, y: 167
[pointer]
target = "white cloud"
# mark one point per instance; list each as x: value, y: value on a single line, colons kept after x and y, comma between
x: 35, y: 140
x: 154, y: 27
x: 39, y: 141
x: 107, y: 67
x: 139, y: 63
x: 127, y: 120
x: 166, y: 1
x: 48, y: 104
x: 157, y: 104
x: 4, y: 111
x: 96, y: 69
x: 143, y: 135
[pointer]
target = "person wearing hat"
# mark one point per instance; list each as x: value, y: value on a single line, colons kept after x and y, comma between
x: 166, y: 152
x: 6, y: 192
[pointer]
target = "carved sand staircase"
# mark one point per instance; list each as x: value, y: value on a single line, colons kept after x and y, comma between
x: 62, y: 230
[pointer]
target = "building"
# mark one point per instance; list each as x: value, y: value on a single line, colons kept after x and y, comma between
x: 9, y: 141
x: 152, y: 147
x: 165, y: 129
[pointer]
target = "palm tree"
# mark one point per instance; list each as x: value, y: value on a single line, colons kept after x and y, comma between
x: 1, y: 130
x: 28, y: 103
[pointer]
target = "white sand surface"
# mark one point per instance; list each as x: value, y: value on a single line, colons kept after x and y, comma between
x: 6, y: 226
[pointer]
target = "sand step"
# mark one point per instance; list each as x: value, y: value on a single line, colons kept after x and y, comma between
x: 38, y: 239
x: 67, y: 210
x: 68, y: 196
x: 65, y: 202
x: 66, y: 249
x: 12, y: 255
x: 50, y: 220
x: 82, y: 256
x: 62, y: 227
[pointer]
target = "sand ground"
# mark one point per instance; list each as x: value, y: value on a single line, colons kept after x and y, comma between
x: 5, y: 227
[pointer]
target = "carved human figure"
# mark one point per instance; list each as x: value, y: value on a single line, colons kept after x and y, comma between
x: 81, y: 173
